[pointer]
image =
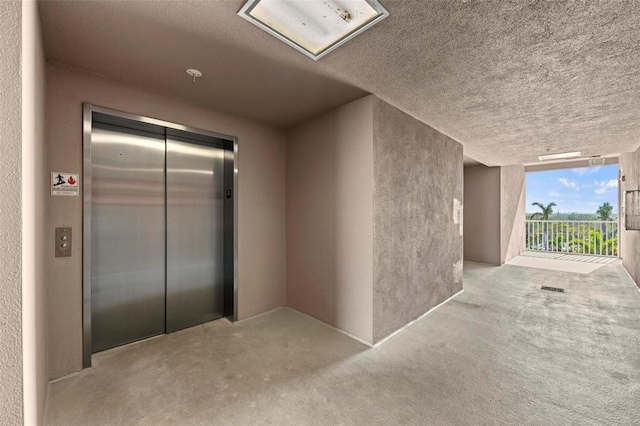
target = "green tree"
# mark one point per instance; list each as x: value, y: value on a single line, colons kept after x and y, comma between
x: 546, y: 212
x: 604, y: 211
x: 589, y: 243
x: 612, y: 246
x: 604, y: 214
x: 593, y: 243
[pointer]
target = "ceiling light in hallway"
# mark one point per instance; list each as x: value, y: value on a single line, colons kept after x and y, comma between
x: 560, y: 156
x: 314, y: 27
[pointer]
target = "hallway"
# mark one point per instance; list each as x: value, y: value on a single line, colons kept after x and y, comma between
x: 501, y: 352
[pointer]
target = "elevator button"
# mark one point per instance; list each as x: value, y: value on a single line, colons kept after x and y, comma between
x: 63, y: 242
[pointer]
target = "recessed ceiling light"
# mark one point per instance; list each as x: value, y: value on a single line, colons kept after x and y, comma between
x: 560, y: 156
x: 314, y: 27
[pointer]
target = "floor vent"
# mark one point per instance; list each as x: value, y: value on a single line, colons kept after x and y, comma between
x: 559, y: 290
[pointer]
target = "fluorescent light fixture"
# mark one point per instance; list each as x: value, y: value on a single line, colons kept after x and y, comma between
x: 314, y: 27
x: 560, y: 156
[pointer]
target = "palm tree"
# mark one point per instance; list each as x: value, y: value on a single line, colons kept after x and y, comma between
x: 547, y: 211
x: 604, y: 214
x: 604, y: 211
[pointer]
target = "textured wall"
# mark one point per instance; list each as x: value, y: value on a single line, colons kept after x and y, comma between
x: 482, y: 214
x: 417, y: 235
x: 330, y: 217
x: 261, y: 204
x: 512, y: 211
x: 630, y: 240
x: 34, y: 196
x: 11, y: 401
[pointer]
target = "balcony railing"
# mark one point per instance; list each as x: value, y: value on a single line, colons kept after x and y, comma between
x: 598, y: 238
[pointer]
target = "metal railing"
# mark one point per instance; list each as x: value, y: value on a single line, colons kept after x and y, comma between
x: 598, y: 238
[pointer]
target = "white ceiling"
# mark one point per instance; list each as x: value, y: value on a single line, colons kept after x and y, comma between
x: 509, y: 80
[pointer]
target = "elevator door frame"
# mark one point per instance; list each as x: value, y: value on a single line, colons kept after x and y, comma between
x: 88, y: 110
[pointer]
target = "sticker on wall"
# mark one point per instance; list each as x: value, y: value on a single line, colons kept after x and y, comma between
x: 64, y: 184
x: 458, y: 215
x: 458, y: 271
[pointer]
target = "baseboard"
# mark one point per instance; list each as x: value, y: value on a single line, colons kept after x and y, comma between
x: 479, y: 263
x: 417, y: 319
x: 630, y: 277
x: 45, y: 410
x: 270, y: 311
x: 346, y: 333
x: 364, y: 342
x: 66, y: 376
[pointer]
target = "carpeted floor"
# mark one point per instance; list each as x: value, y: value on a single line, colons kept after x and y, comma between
x: 504, y: 352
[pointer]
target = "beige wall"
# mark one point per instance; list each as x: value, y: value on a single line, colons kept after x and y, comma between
x: 630, y: 240
x: 11, y: 396
x: 494, y: 214
x: 330, y: 218
x: 482, y: 237
x: 417, y: 231
x: 34, y: 185
x: 373, y: 236
x: 512, y: 211
x: 261, y: 199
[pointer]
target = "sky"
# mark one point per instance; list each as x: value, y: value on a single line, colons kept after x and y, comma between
x: 580, y: 190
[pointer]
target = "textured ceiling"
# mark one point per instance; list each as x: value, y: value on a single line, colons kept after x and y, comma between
x: 508, y: 79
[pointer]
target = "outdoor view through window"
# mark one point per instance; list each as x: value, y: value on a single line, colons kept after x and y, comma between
x: 573, y: 211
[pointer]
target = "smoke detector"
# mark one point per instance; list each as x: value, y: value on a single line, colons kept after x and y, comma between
x: 194, y: 73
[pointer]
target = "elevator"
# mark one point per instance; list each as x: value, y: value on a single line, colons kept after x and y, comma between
x: 159, y: 228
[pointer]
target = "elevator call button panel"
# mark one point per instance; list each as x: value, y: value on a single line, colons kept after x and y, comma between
x: 63, y: 242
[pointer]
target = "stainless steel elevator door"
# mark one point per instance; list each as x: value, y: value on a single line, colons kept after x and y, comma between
x: 127, y: 235
x: 195, y: 233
